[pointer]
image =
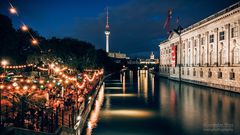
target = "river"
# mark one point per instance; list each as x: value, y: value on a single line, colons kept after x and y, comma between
x: 140, y: 103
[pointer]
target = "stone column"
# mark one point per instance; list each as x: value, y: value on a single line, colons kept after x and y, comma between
x: 207, y: 44
x: 216, y: 31
x: 199, y: 50
x: 180, y: 57
x: 192, y: 52
x: 228, y: 32
x: 186, y: 52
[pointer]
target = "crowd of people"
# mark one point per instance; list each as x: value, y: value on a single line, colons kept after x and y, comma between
x: 48, y: 102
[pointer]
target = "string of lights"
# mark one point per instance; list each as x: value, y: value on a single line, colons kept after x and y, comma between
x: 23, y: 27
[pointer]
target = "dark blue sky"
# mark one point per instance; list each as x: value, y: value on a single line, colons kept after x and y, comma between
x: 136, y: 25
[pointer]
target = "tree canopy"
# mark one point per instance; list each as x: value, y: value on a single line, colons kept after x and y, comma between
x: 15, y: 46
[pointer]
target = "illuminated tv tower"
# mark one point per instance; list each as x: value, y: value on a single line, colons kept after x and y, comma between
x: 107, y: 33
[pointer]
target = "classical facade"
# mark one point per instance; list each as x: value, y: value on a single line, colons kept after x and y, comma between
x: 205, y: 53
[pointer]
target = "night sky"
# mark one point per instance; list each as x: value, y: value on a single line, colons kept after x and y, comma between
x: 136, y: 25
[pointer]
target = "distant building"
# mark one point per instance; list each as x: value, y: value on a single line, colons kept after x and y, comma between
x: 152, y: 56
x: 205, y: 53
x: 150, y: 61
x: 118, y: 55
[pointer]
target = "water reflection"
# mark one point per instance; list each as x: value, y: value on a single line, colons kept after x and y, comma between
x: 94, y: 116
x: 131, y: 77
x: 152, y: 83
x: 124, y: 83
x: 161, y: 106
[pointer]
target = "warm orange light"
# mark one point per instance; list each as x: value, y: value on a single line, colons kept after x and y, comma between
x: 57, y: 69
x: 34, y: 87
x: 9, y: 87
x: 15, y: 84
x: 24, y: 28
x: 25, y: 87
x: 66, y: 81
x: 34, y: 42
x: 50, y: 85
x: 13, y: 10
x: 28, y: 81
x: 41, y: 81
x: 52, y: 65
x: 1, y: 86
x: 4, y: 62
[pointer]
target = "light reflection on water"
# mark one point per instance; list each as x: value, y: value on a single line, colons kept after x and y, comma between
x: 146, y: 104
x: 94, y: 116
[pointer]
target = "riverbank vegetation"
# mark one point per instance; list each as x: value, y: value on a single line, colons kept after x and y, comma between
x: 16, y: 47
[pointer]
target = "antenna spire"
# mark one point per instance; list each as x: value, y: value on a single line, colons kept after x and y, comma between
x: 107, y: 21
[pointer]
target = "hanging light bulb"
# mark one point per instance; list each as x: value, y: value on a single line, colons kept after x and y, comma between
x: 13, y: 10
x: 24, y: 28
x: 34, y: 42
